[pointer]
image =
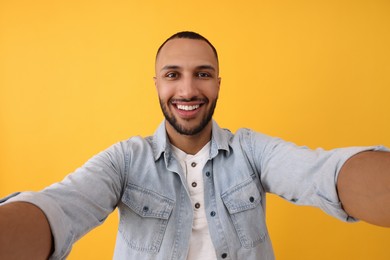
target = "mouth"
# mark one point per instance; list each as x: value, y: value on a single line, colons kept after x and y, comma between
x: 188, y: 108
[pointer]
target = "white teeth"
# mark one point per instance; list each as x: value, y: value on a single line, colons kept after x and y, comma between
x: 187, y: 108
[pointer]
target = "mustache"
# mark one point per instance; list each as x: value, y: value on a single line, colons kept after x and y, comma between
x: 194, y: 99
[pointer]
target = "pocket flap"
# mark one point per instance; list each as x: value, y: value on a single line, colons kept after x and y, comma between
x: 147, y: 203
x: 241, y: 197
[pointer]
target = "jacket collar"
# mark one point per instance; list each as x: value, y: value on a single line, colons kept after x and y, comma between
x: 220, y: 140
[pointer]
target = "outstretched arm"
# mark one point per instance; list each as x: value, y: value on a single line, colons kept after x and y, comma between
x: 364, y: 187
x: 25, y: 232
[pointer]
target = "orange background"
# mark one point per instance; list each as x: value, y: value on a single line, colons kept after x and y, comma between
x: 76, y: 77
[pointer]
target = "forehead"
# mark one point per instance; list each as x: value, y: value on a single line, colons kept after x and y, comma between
x: 182, y: 52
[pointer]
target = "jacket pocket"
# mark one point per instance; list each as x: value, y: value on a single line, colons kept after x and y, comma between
x: 144, y: 218
x: 246, y: 212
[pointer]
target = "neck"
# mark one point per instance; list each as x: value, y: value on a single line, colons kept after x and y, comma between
x: 190, y: 144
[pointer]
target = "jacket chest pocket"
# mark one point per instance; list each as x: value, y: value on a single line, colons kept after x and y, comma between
x: 144, y: 218
x: 246, y: 213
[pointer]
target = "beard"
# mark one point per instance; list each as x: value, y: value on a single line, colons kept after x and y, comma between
x: 180, y: 128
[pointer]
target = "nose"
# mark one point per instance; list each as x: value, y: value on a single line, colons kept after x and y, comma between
x: 188, y: 88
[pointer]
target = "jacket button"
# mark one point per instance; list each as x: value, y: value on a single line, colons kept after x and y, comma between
x: 212, y: 213
x: 224, y: 255
x: 208, y: 174
x: 251, y: 199
x: 145, y: 209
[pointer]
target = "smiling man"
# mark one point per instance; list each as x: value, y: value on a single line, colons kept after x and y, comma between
x: 187, y: 81
x: 193, y: 190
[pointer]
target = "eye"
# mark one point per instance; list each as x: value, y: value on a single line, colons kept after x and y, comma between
x: 172, y: 75
x: 203, y: 75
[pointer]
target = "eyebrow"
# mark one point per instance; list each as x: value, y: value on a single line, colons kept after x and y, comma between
x: 200, y: 67
x: 206, y: 67
x: 170, y: 67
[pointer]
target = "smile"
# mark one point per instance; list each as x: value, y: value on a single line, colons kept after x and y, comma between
x: 188, y: 108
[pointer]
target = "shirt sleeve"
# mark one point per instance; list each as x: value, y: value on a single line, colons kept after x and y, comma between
x: 301, y: 175
x: 82, y: 200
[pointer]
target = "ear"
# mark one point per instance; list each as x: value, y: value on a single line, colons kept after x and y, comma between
x: 219, y: 82
x: 155, y: 81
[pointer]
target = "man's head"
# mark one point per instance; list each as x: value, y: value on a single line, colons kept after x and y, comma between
x: 187, y: 82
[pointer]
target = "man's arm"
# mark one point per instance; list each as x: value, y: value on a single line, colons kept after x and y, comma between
x: 24, y: 232
x: 364, y: 187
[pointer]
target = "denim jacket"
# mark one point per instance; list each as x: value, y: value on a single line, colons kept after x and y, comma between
x: 143, y: 179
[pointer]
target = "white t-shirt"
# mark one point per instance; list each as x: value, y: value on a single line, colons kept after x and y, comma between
x: 201, y: 246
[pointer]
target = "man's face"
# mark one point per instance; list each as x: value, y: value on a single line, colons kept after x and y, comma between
x: 187, y: 83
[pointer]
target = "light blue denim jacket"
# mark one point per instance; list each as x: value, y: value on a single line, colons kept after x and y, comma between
x: 143, y: 179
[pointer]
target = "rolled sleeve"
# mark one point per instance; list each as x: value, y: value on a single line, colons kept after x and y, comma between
x: 301, y: 175
x: 82, y: 200
x: 326, y: 188
x: 54, y: 214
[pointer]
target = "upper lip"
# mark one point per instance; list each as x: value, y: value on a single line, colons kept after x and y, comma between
x: 191, y: 102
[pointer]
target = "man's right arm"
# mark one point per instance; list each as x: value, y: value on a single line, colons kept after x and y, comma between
x: 24, y: 232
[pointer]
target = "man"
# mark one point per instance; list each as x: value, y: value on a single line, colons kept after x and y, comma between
x: 193, y: 190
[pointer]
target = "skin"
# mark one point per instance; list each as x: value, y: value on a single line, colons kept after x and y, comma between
x: 25, y: 232
x: 364, y: 187
x: 187, y: 74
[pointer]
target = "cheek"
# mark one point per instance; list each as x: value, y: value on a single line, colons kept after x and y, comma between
x: 213, y: 91
x: 164, y: 92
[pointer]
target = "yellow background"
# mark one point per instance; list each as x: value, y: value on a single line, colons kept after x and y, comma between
x: 76, y: 76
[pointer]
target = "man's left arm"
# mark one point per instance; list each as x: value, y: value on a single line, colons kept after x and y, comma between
x: 364, y: 187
